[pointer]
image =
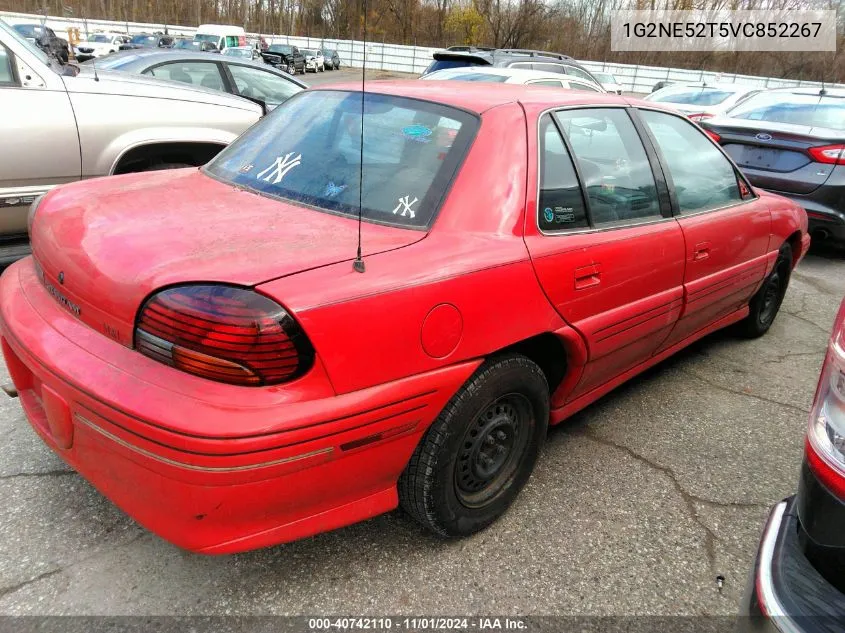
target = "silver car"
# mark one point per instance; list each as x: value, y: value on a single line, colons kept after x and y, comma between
x: 62, y: 124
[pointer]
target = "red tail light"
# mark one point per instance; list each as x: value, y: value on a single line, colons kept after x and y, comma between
x: 223, y: 333
x: 826, y: 435
x: 716, y: 138
x: 830, y: 154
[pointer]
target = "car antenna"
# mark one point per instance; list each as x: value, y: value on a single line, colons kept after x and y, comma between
x: 358, y: 265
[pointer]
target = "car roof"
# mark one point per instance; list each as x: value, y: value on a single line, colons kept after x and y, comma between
x: 512, y: 73
x: 479, y: 97
x: 829, y: 92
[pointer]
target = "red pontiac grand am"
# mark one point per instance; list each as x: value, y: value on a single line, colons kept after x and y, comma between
x: 199, y: 345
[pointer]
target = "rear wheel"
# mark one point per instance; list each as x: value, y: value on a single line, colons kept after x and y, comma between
x: 291, y: 69
x: 765, y: 304
x: 481, y: 449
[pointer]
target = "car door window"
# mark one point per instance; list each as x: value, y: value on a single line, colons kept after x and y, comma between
x: 703, y: 178
x: 204, y: 74
x: 561, y: 204
x: 613, y: 164
x: 552, y: 83
x: 7, y: 77
x: 549, y: 68
x: 260, y: 84
x: 523, y: 65
x: 580, y: 85
x: 577, y: 72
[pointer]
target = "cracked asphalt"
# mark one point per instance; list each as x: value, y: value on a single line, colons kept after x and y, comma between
x: 637, y: 505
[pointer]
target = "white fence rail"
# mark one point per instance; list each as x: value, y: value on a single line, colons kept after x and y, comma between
x: 414, y: 59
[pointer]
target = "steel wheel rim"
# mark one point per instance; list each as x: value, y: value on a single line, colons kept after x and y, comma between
x: 492, y: 449
x: 771, y: 297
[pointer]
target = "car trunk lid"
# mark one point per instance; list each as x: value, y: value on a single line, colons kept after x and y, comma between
x: 776, y: 155
x: 103, y: 249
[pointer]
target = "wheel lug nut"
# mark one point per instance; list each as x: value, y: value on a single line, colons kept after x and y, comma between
x: 500, y: 435
x: 490, y: 440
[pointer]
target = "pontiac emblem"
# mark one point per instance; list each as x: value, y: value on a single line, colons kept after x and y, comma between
x: 61, y: 278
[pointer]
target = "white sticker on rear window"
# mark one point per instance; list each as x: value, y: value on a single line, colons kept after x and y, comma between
x: 405, y: 206
x: 280, y: 167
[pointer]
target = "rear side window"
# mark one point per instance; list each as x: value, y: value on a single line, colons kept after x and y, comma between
x: 204, y: 74
x: 308, y: 151
x: 549, y: 68
x: 561, y: 202
x: 6, y: 76
x: 614, y: 165
x: 703, y: 178
x: 577, y: 72
x: 551, y: 83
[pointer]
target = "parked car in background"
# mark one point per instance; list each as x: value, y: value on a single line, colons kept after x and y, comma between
x: 242, y: 52
x: 701, y: 101
x: 228, y: 73
x: 314, y: 59
x: 189, y: 44
x: 147, y: 40
x: 46, y: 39
x: 285, y: 57
x: 62, y: 124
x: 798, y: 581
x: 510, y: 58
x: 512, y: 76
x: 223, y: 403
x: 792, y: 141
x: 332, y: 59
x: 99, y: 45
x: 222, y: 36
x: 608, y: 82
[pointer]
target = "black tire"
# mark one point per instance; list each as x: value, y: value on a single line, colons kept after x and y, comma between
x: 291, y: 69
x: 766, y: 301
x: 480, y: 451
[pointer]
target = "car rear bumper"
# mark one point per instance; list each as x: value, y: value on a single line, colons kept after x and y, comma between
x: 108, y: 412
x: 785, y: 593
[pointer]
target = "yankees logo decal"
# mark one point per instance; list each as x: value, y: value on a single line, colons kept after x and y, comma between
x: 405, y: 206
x: 280, y: 167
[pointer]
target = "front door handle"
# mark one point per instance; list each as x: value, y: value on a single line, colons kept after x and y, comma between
x: 701, y: 251
x: 587, y: 277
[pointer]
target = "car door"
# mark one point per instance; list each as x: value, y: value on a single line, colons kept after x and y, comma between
x: 726, y: 227
x: 255, y: 83
x: 40, y: 146
x: 604, y: 245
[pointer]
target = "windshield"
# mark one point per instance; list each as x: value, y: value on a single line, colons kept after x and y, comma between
x: 206, y: 37
x: 811, y: 110
x: 99, y: 37
x: 238, y: 52
x: 442, y: 64
x: 186, y: 44
x: 605, y: 78
x: 41, y: 55
x: 309, y: 51
x: 280, y: 48
x: 309, y: 151
x: 692, y: 96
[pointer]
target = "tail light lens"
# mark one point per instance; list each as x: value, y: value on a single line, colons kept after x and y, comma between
x: 223, y: 333
x: 826, y: 436
x: 716, y: 138
x: 830, y: 154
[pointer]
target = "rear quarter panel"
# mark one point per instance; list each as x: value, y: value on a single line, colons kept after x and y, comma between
x: 368, y: 328
x: 788, y: 218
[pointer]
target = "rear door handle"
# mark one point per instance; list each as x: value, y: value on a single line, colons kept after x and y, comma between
x: 701, y: 251
x: 587, y: 277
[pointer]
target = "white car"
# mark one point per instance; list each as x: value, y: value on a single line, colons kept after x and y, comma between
x: 314, y: 60
x: 512, y: 76
x: 99, y: 45
x: 608, y: 82
x: 701, y: 101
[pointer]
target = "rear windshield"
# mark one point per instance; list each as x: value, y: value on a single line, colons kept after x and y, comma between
x: 206, y: 37
x: 442, y: 64
x: 798, y: 109
x: 693, y: 96
x: 605, y: 78
x: 309, y: 151
x: 148, y: 40
x: 490, y: 77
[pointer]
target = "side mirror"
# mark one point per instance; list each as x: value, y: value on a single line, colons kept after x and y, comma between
x: 260, y: 102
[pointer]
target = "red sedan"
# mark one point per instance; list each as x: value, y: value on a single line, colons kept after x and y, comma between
x: 204, y: 347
